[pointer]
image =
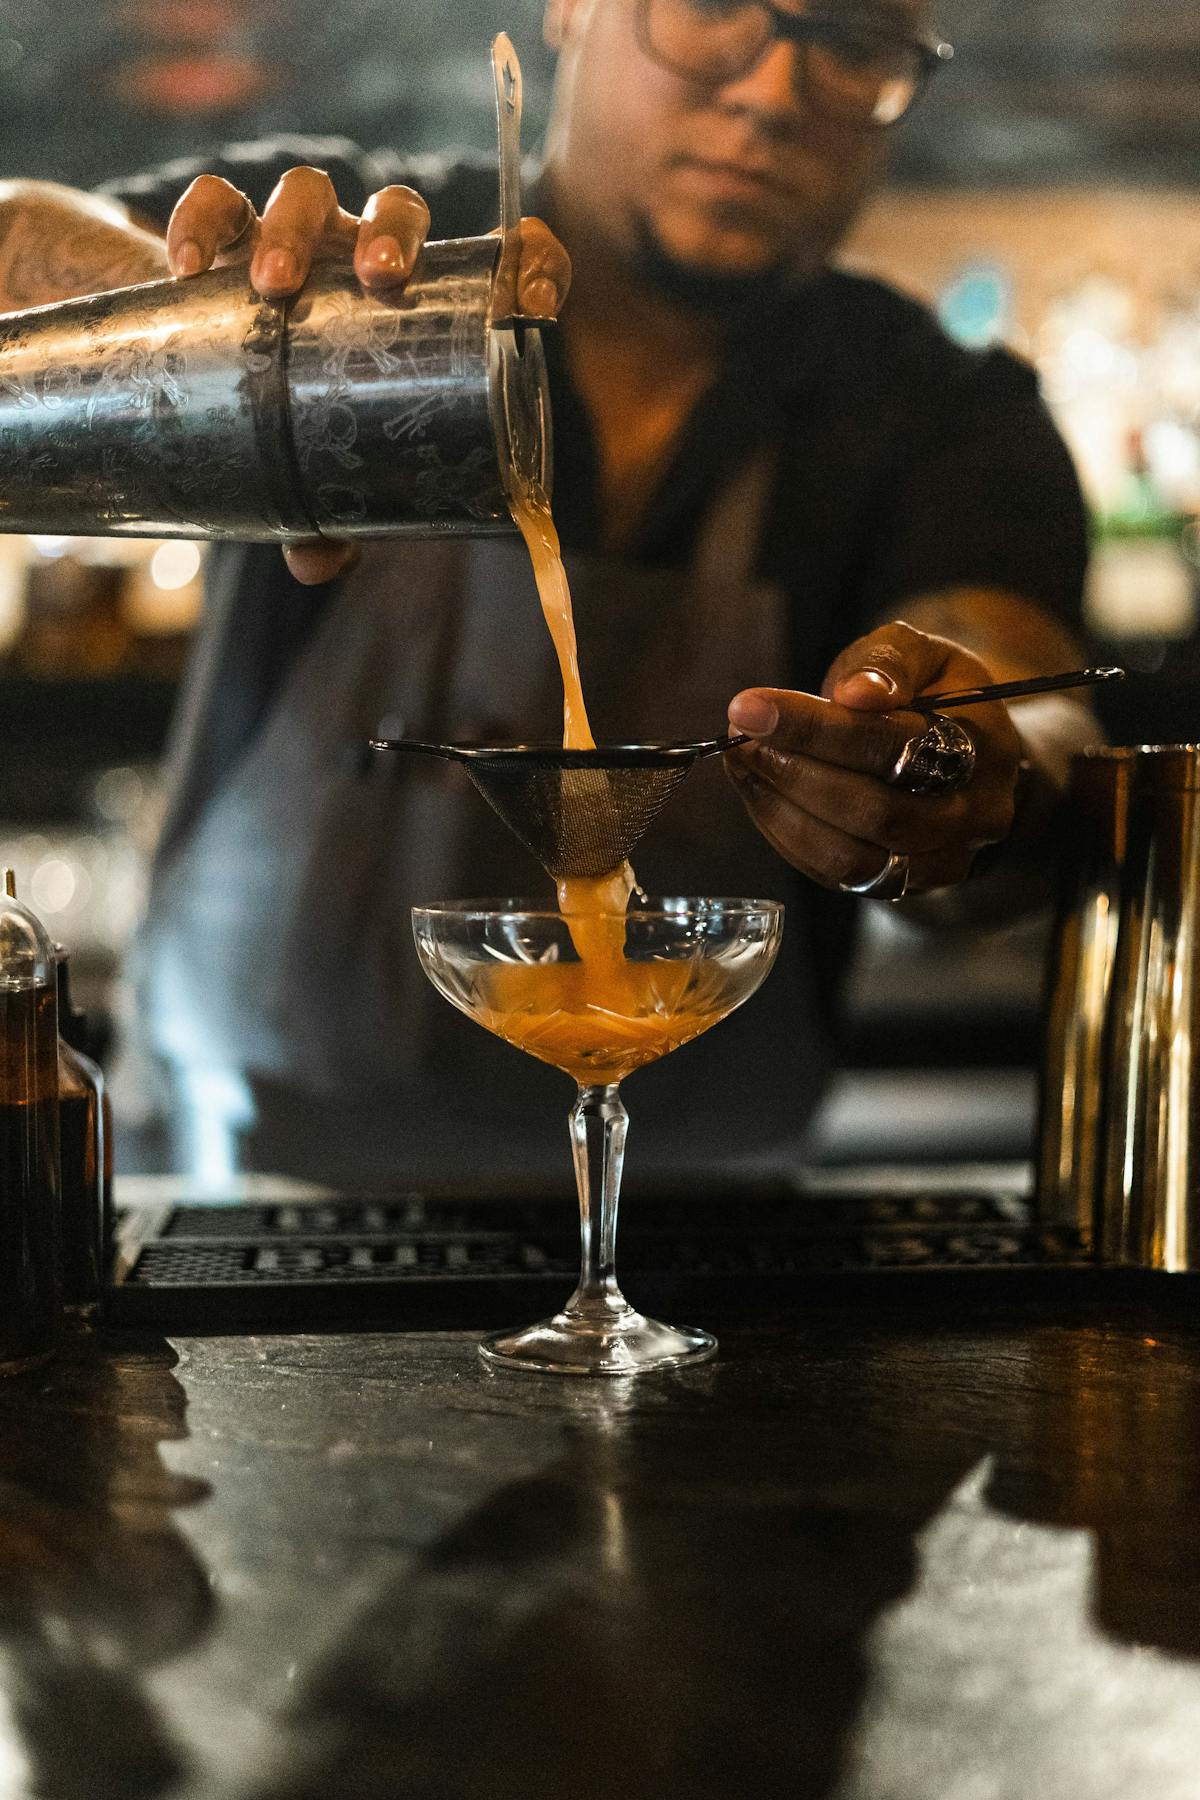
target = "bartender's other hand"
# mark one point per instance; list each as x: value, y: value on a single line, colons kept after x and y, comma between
x: 814, y: 780
x: 214, y: 225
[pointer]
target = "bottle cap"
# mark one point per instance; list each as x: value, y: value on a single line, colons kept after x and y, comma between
x: 26, y: 953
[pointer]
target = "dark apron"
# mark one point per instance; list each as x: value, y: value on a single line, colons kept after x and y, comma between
x: 278, y: 979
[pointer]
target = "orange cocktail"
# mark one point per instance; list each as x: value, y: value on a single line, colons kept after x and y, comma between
x: 600, y: 1019
x: 648, y: 980
x: 600, y: 987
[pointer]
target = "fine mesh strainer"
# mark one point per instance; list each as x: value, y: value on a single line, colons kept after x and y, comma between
x: 580, y: 812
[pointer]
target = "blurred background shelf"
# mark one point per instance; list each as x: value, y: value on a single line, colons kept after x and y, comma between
x: 1038, y: 93
x: 63, y: 736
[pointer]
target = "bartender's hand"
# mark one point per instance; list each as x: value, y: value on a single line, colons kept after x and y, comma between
x: 215, y: 225
x: 814, y: 780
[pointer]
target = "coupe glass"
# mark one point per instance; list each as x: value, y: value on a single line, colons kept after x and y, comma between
x: 597, y: 996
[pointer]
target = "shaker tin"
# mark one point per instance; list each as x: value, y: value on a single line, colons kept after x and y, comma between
x: 195, y: 409
x: 1120, y: 1116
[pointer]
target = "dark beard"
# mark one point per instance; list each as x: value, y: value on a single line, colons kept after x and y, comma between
x: 734, y: 301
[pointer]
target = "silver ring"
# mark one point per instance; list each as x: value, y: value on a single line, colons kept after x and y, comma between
x: 937, y: 760
x: 891, y: 883
x: 248, y: 224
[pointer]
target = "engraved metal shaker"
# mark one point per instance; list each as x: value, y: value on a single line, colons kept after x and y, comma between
x: 195, y: 409
x: 1079, y: 985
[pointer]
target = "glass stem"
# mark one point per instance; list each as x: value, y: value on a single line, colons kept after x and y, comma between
x: 598, y: 1123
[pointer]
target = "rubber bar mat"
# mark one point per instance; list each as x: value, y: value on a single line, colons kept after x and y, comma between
x: 420, y: 1259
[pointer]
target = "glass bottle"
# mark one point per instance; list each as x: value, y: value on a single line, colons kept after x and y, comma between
x: 86, y: 1151
x: 1140, y: 582
x: 29, y: 1142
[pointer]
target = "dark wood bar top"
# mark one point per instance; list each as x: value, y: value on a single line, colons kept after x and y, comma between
x: 922, y: 1539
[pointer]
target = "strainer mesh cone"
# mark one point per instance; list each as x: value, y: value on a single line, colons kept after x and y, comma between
x: 577, y: 821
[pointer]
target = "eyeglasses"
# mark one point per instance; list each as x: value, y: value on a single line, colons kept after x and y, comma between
x: 856, y: 66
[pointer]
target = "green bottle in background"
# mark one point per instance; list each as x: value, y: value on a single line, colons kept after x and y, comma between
x: 1142, y: 585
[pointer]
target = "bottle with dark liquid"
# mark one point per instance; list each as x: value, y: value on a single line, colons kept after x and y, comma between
x: 86, y: 1156
x: 29, y: 1143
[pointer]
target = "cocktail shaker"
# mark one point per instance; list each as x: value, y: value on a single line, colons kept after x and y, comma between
x: 195, y: 409
x: 1120, y: 1135
x: 1078, y: 988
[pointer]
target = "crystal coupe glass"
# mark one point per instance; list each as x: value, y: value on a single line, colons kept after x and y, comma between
x: 598, y: 995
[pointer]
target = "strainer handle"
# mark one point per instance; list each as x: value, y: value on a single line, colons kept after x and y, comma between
x: 447, y: 752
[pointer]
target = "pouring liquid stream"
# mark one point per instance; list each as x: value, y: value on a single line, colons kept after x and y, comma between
x: 531, y: 511
x: 605, y: 1015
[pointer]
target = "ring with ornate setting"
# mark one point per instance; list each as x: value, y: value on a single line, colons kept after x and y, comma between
x: 891, y: 883
x: 936, y: 760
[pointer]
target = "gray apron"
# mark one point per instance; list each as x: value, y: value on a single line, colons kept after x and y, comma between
x: 278, y: 980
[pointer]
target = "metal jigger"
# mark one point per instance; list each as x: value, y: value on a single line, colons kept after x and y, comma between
x: 196, y: 409
x: 1121, y: 1088
x: 1079, y: 991
x: 1150, y: 1176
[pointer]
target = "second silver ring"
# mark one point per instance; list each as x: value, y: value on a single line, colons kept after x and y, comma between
x: 938, y: 760
x: 891, y: 883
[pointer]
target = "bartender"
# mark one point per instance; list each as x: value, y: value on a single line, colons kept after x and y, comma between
x: 784, y: 495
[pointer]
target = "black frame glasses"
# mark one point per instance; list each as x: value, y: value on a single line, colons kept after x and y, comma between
x: 852, y: 35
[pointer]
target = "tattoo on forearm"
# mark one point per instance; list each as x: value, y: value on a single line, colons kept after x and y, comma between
x: 46, y: 254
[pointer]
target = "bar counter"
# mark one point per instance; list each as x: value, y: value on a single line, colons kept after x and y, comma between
x: 916, y: 1536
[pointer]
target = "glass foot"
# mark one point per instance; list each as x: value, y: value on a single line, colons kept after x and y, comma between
x: 629, y: 1344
